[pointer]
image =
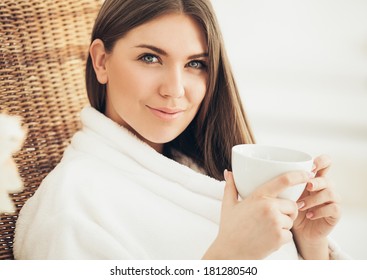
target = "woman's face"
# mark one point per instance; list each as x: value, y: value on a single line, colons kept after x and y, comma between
x: 156, y: 78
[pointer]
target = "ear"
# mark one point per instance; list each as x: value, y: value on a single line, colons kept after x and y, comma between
x: 98, y: 55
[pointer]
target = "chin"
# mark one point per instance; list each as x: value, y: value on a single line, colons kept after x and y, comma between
x: 162, y: 137
x: 161, y: 140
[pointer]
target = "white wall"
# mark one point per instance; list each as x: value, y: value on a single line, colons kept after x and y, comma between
x: 301, y: 67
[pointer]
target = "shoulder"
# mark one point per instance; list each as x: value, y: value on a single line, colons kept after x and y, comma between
x: 67, y: 171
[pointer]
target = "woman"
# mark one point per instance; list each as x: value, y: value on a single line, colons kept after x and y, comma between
x: 142, y: 179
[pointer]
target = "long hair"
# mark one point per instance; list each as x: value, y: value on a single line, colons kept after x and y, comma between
x: 220, y: 122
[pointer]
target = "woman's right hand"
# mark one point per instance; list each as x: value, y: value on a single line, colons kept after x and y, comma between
x: 260, y: 224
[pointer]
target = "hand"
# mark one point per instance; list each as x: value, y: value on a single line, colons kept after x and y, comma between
x: 258, y: 225
x: 319, y: 212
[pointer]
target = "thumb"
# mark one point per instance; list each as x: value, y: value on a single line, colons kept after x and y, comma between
x: 230, y: 196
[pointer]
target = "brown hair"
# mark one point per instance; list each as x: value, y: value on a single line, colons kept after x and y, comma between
x: 221, y: 121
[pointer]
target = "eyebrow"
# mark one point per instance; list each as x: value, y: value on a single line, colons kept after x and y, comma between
x: 163, y: 52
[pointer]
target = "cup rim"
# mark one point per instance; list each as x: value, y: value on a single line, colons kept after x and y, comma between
x: 237, y: 149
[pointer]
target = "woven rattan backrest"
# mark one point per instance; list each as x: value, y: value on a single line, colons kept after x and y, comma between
x: 43, y: 48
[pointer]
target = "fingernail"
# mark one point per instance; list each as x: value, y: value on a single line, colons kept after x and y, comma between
x: 309, y: 215
x: 313, y: 167
x: 300, y: 204
x: 311, y: 186
x: 225, y: 174
x: 311, y: 175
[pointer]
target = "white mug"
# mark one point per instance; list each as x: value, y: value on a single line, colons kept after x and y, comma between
x: 255, y: 164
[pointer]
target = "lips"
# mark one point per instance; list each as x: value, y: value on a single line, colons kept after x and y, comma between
x: 166, y: 113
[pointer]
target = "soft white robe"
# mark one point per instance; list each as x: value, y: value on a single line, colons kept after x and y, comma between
x: 114, y: 197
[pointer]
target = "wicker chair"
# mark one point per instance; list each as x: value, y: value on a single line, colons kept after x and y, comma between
x: 43, y: 48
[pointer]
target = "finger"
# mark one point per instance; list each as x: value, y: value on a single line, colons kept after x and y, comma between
x: 331, y: 212
x: 275, y: 186
x: 326, y: 196
x: 318, y: 184
x: 288, y: 208
x: 285, y: 222
x: 286, y: 236
x: 230, y: 196
x: 322, y: 165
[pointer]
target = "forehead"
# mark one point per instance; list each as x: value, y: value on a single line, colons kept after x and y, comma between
x: 169, y: 32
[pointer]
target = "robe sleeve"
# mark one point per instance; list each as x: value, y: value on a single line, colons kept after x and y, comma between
x: 335, y: 253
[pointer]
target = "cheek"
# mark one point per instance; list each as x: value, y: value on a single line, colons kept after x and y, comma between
x: 197, y: 91
x: 130, y: 81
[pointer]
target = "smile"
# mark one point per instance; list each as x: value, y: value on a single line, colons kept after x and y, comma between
x: 166, y: 113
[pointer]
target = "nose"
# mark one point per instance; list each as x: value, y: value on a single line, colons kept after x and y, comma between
x: 172, y: 83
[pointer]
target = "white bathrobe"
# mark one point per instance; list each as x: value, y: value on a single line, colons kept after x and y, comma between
x: 114, y: 197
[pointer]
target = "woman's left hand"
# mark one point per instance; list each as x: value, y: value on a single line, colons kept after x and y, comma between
x: 319, y: 212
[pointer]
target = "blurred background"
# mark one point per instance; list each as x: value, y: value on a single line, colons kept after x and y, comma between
x: 301, y: 67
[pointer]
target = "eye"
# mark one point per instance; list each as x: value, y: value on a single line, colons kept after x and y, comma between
x: 149, y: 58
x: 197, y: 64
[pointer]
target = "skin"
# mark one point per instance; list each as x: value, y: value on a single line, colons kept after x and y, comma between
x: 155, y: 84
x: 271, y: 222
x: 319, y: 212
